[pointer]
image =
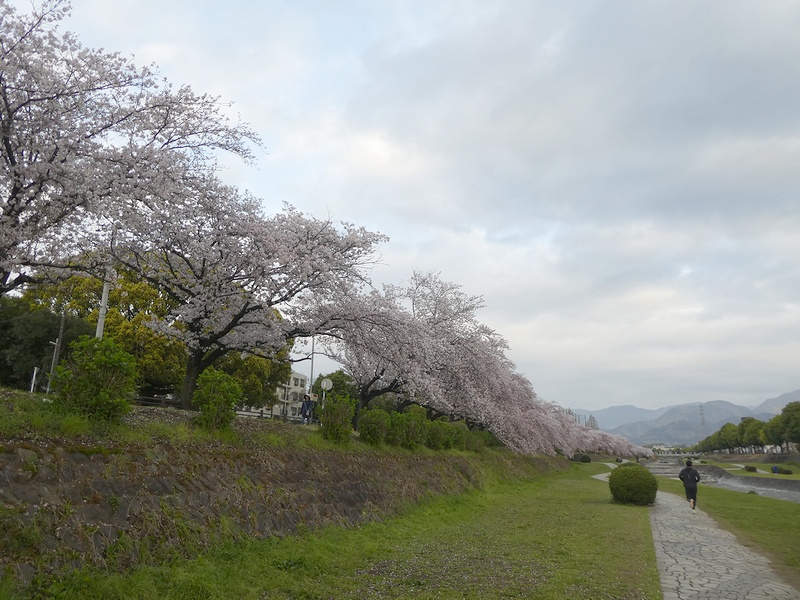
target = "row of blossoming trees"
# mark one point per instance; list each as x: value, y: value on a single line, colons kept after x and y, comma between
x: 106, y: 167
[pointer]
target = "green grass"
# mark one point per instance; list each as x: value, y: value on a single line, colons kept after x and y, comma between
x: 768, y: 525
x: 559, y: 537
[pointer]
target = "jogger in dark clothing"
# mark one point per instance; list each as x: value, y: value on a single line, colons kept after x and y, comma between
x: 689, y: 476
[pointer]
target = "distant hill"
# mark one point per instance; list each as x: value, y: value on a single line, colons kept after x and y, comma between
x: 775, y: 405
x: 614, y: 416
x: 683, y: 424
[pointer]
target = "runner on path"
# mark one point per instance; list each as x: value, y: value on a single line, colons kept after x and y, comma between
x: 690, y: 478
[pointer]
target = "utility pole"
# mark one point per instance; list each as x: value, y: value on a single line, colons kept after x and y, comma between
x: 311, y: 380
x: 56, y: 350
x: 101, y: 317
x: 702, y: 423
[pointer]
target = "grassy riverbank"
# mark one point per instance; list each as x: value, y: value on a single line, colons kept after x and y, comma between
x: 559, y: 537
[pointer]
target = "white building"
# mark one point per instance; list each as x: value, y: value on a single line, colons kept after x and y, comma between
x: 290, y: 396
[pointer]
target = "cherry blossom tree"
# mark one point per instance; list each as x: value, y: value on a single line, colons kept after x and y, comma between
x: 238, y: 280
x: 398, y: 340
x: 80, y: 126
x: 423, y: 342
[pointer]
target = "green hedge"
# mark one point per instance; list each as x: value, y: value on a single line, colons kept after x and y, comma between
x: 412, y: 429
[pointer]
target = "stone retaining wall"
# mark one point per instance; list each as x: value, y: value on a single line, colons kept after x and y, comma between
x: 65, y: 507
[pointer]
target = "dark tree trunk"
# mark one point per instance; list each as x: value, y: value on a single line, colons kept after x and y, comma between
x: 194, y: 366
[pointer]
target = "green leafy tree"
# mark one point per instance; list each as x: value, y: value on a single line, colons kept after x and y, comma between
x: 774, y: 431
x: 790, y: 415
x: 98, y: 379
x: 132, y: 306
x: 258, y: 377
x: 729, y: 437
x: 27, y: 341
x: 343, y: 385
x: 751, y: 433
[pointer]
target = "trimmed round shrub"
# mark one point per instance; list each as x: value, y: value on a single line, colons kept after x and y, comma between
x: 630, y: 464
x: 417, y: 411
x: 585, y: 458
x: 633, y: 486
x: 98, y: 380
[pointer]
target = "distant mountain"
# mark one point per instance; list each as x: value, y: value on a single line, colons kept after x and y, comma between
x: 775, y: 405
x: 614, y: 416
x: 683, y: 424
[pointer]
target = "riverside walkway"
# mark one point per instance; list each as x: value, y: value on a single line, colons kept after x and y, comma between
x: 699, y: 561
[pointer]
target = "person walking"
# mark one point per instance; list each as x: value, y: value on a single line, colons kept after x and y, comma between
x: 689, y: 476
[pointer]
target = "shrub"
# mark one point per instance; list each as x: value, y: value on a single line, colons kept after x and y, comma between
x: 438, y: 435
x: 337, y: 417
x: 750, y: 468
x: 373, y: 426
x: 478, y: 439
x: 784, y: 471
x: 98, y: 380
x: 216, y: 397
x: 633, y: 486
x: 458, y: 433
x: 417, y: 411
x: 416, y: 427
x: 629, y: 464
x: 406, y: 430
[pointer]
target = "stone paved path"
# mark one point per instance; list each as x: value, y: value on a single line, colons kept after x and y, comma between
x: 698, y: 560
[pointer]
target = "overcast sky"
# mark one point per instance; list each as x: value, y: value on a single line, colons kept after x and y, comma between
x: 618, y: 180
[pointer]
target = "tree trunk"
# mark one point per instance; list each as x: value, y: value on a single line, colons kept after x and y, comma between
x: 194, y: 366
x: 360, y: 404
